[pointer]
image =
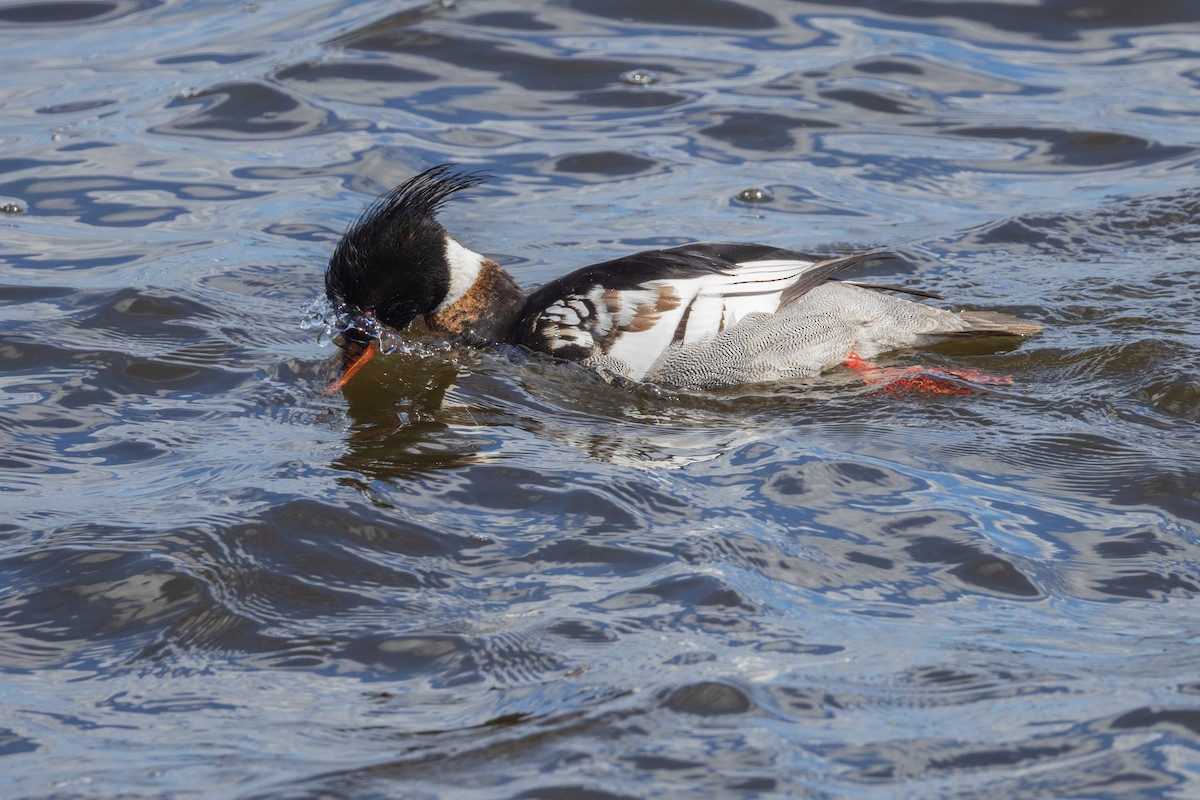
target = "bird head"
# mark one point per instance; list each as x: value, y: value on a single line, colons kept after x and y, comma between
x: 394, y: 263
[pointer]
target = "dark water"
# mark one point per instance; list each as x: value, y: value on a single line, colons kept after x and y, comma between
x: 475, y: 575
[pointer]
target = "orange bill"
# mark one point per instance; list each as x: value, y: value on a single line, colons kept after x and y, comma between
x: 350, y: 366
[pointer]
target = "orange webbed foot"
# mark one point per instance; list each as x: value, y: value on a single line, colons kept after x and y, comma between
x: 922, y: 380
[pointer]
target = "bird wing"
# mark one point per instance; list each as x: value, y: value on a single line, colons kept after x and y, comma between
x: 635, y: 308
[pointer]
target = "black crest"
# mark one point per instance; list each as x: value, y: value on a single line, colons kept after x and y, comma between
x: 392, y: 258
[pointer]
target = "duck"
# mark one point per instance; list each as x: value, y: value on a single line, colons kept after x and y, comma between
x: 699, y: 316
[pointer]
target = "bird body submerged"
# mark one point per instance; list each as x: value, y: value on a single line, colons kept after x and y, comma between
x: 702, y: 315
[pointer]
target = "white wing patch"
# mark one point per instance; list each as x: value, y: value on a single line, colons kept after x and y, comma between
x: 753, y: 287
x: 639, y: 325
x: 651, y: 316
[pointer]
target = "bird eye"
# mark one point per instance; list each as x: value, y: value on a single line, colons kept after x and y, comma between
x: 354, y: 333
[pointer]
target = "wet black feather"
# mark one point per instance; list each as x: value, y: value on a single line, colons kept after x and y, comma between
x: 392, y: 259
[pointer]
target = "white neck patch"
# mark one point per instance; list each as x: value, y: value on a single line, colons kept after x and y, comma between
x: 464, y: 270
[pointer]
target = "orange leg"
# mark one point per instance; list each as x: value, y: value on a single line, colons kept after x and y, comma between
x: 922, y: 380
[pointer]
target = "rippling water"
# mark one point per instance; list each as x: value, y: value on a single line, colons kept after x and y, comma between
x: 476, y: 574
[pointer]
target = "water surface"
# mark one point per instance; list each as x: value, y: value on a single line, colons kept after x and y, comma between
x: 476, y: 574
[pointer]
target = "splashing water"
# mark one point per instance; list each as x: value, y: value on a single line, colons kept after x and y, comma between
x: 332, y: 320
x: 319, y: 312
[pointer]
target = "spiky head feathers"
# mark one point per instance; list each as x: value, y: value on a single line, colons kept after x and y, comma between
x: 392, y: 259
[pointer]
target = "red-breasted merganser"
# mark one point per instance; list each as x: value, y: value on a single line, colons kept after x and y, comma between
x: 701, y: 315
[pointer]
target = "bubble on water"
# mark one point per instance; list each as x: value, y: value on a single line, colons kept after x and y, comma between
x: 755, y: 196
x: 639, y: 77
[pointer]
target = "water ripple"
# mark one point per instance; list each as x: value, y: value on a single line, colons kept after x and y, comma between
x: 486, y: 574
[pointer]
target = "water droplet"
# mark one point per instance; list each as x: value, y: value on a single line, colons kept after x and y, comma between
x: 639, y: 77
x: 755, y: 196
x: 389, y: 342
x: 320, y: 313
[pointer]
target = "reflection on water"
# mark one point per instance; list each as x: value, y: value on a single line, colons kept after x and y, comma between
x: 484, y: 574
